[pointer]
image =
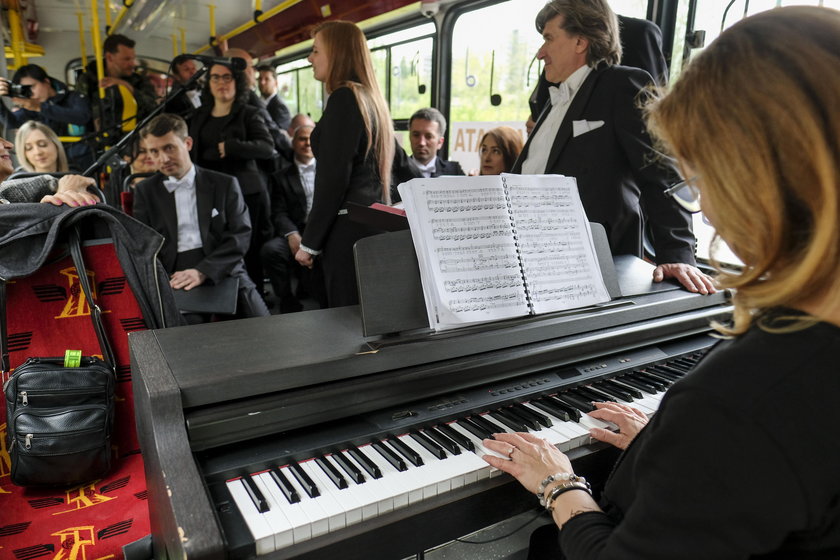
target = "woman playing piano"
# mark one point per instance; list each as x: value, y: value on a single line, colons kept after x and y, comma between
x: 742, y: 458
x: 354, y: 146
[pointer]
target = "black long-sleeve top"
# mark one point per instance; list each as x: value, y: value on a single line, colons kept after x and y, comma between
x: 742, y: 460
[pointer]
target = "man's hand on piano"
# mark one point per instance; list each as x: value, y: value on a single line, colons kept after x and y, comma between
x: 629, y: 420
x: 690, y: 277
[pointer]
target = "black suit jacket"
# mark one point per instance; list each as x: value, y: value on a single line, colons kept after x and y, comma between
x: 405, y: 169
x: 619, y: 176
x: 279, y: 112
x: 222, y: 220
x: 288, y: 201
x: 246, y: 140
x: 345, y: 172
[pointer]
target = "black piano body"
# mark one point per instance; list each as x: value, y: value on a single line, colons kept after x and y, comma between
x: 224, y: 399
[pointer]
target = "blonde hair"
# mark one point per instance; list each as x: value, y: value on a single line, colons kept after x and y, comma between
x: 20, y: 146
x: 755, y: 116
x: 350, y: 66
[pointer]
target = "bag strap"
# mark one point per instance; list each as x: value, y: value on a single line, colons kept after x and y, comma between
x: 95, y: 310
x: 4, y: 346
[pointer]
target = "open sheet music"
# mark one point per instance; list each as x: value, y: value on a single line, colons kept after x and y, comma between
x: 497, y: 247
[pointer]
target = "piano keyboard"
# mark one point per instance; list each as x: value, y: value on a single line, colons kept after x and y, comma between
x: 297, y: 500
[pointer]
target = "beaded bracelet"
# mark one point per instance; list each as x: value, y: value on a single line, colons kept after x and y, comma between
x: 565, y: 487
x: 564, y: 476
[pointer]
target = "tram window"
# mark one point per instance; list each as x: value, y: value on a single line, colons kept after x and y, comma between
x: 299, y: 89
x: 403, y: 64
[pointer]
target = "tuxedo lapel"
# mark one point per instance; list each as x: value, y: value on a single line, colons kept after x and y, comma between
x: 165, y: 203
x: 204, y: 204
x: 573, y: 113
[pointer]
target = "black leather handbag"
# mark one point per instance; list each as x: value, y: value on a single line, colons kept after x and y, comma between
x: 60, y: 411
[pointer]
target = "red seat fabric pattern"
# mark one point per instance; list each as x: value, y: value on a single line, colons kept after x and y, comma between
x: 47, y: 314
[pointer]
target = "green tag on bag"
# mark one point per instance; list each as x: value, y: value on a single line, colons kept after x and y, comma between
x: 72, y: 358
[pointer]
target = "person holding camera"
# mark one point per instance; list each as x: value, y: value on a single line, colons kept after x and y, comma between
x: 38, y: 97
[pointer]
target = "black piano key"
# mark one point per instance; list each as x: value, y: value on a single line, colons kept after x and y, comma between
x: 442, y: 440
x: 430, y: 445
x: 655, y: 383
x: 487, y: 424
x: 682, y: 364
x: 349, y: 467
x: 308, y: 485
x: 606, y: 395
x: 589, y: 394
x: 618, y: 394
x: 667, y: 381
x: 523, y: 415
x: 390, y: 456
x: 632, y: 391
x: 455, y: 436
x: 331, y: 472
x: 581, y: 403
x: 405, y: 450
x: 573, y: 412
x: 663, y: 373
x: 284, y: 485
x: 371, y: 467
x: 474, y: 429
x: 549, y: 407
x: 640, y: 385
x: 513, y: 423
x: 675, y: 369
x: 254, y: 493
x: 541, y: 418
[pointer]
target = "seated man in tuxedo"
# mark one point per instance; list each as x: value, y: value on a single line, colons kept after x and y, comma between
x: 201, y: 213
x: 291, y: 200
x: 593, y: 130
x: 426, y: 133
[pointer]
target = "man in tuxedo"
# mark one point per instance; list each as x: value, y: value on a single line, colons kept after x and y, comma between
x: 186, y: 102
x: 201, y: 214
x: 593, y: 130
x: 426, y: 133
x: 267, y: 84
x: 291, y: 200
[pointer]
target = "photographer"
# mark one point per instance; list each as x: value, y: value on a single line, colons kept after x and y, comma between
x: 38, y: 97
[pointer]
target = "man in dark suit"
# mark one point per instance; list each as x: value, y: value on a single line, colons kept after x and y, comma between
x: 593, y: 130
x: 185, y: 102
x: 291, y: 200
x: 267, y: 84
x: 427, y: 133
x: 201, y: 214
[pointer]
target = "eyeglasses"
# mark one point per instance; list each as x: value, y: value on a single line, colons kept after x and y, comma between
x: 225, y: 78
x: 686, y: 194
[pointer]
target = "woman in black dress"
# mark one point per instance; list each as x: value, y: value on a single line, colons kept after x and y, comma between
x: 354, y: 147
x: 742, y: 457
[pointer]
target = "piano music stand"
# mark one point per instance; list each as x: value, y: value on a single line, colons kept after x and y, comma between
x: 390, y: 292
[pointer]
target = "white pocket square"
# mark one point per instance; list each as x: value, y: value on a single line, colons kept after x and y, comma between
x: 214, y: 213
x: 582, y: 127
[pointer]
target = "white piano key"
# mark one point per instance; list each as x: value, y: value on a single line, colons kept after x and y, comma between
x: 344, y: 506
x: 306, y: 517
x: 479, y: 451
x: 381, y: 490
x: 364, y: 496
x: 423, y: 482
x: 260, y: 529
x: 276, y: 519
x: 390, y: 477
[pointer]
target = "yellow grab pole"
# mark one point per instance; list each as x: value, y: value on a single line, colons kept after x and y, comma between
x: 82, y: 47
x: 174, y: 45
x: 97, y: 45
x: 183, y: 39
x: 126, y: 5
x: 17, y: 37
x: 107, y: 4
x: 245, y: 26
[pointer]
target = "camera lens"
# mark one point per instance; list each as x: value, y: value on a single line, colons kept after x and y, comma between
x: 19, y: 90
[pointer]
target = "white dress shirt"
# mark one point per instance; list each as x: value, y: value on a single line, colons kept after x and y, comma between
x: 540, y: 147
x: 186, y: 208
x: 306, y: 171
x: 426, y: 169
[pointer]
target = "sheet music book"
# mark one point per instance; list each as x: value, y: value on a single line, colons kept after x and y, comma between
x: 498, y: 247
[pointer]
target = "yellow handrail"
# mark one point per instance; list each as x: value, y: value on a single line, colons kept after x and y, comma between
x: 82, y: 47
x: 18, y: 45
x: 126, y: 5
x: 97, y: 46
x: 245, y: 26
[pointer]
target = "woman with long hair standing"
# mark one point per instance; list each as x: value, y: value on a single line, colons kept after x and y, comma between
x: 354, y: 147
